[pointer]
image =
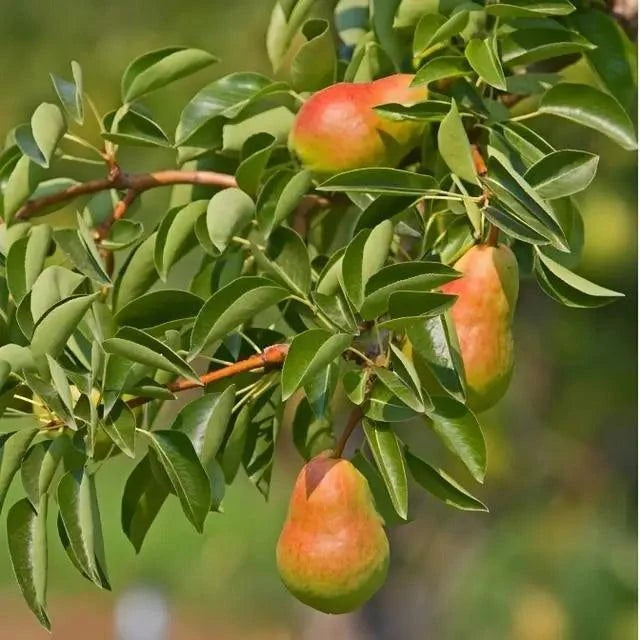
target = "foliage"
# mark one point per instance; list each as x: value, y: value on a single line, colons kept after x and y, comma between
x: 325, y: 279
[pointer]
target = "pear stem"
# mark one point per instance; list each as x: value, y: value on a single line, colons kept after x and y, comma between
x: 352, y: 423
x: 494, y: 234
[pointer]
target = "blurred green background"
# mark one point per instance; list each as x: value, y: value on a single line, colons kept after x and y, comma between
x: 555, y: 558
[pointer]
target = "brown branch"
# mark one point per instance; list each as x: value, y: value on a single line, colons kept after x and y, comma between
x: 272, y: 356
x: 352, y: 423
x: 137, y: 182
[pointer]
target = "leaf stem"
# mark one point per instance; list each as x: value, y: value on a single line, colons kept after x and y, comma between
x: 524, y: 116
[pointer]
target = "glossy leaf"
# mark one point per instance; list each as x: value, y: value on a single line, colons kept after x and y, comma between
x: 120, y: 426
x: 168, y: 308
x: 434, y: 28
x: 454, y: 147
x: 228, y: 212
x: 591, y: 108
x: 189, y: 480
x: 407, y: 308
x: 22, y: 182
x: 25, y: 260
x: 256, y: 152
x: 380, y: 180
x: 458, y: 428
x: 122, y: 234
x: 310, y: 352
x: 355, y: 383
x: 399, y: 388
x: 158, y: 68
x: 528, y: 9
x: 562, y: 173
x: 285, y: 259
x: 384, y: 406
x: 387, y: 454
x: 485, y: 63
x: 442, y: 486
x: 40, y: 465
x: 56, y: 326
x: 27, y: 541
x: 71, y: 93
x: 440, y: 68
x: 526, y: 46
x: 138, y: 346
x: 137, y: 275
x: 13, y: 447
x: 231, y: 306
x: 80, y: 515
x: 39, y: 141
x: 314, y: 65
x: 311, y: 434
x: 71, y: 243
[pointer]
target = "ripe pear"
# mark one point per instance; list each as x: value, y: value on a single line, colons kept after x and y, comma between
x: 333, y: 553
x: 337, y: 129
x: 483, y: 314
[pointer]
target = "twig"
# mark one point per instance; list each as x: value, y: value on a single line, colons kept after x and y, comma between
x: 271, y: 356
x: 352, y: 423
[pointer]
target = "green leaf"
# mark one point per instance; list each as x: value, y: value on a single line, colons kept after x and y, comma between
x: 436, y: 343
x: 185, y: 472
x: 228, y: 213
x: 506, y: 220
x: 39, y: 141
x: 52, y: 331
x: 285, y: 259
x: 380, y: 180
x: 122, y: 234
x: 72, y: 244
x: 138, y: 346
x: 256, y: 153
x: 526, y: 46
x: 406, y: 276
x: 562, y: 173
x: 613, y: 59
x: 484, y: 61
x: 61, y: 384
x: 384, y: 406
x: 454, y: 146
x: 591, y: 108
x: 399, y: 388
x: 311, y: 434
x: 51, y: 286
x: 382, y: 16
x: 528, y: 9
x: 20, y: 185
x: 27, y: 541
x: 40, y: 465
x: 13, y: 447
x: 78, y: 504
x: 439, y: 68
x: 25, y: 260
x: 383, y: 503
x: 231, y: 306
x: 407, y: 308
x: 568, y: 288
x: 47, y: 188
x: 175, y: 236
x: 434, y: 28
x: 165, y: 308
x: 355, y: 383
x: 387, y: 454
x: 71, y: 93
x: 286, y: 19
x: 365, y: 255
x: 428, y: 111
x: 142, y: 499
x: 320, y: 389
x: 438, y: 483
x: 205, y: 421
x: 235, y: 445
x: 381, y: 209
x: 309, y: 353
x: 130, y: 126
x: 120, y: 426
x: 137, y: 274
x: 314, y: 65
x: 159, y: 68
x: 223, y: 98
x: 516, y: 193
x: 458, y: 428
x: 289, y: 198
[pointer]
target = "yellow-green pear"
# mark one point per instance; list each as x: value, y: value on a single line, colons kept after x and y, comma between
x: 333, y: 553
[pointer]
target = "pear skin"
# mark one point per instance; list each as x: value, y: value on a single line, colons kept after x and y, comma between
x: 337, y: 129
x: 333, y: 553
x: 483, y: 314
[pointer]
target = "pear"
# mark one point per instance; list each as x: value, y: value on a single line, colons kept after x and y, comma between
x: 333, y: 553
x: 337, y: 129
x: 483, y: 314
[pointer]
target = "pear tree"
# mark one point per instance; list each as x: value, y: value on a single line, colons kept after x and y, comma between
x: 345, y: 237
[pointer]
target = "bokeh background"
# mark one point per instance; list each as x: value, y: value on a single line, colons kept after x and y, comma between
x: 555, y: 558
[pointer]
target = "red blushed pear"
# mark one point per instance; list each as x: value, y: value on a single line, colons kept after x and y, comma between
x: 483, y: 314
x: 333, y: 553
x: 337, y: 128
